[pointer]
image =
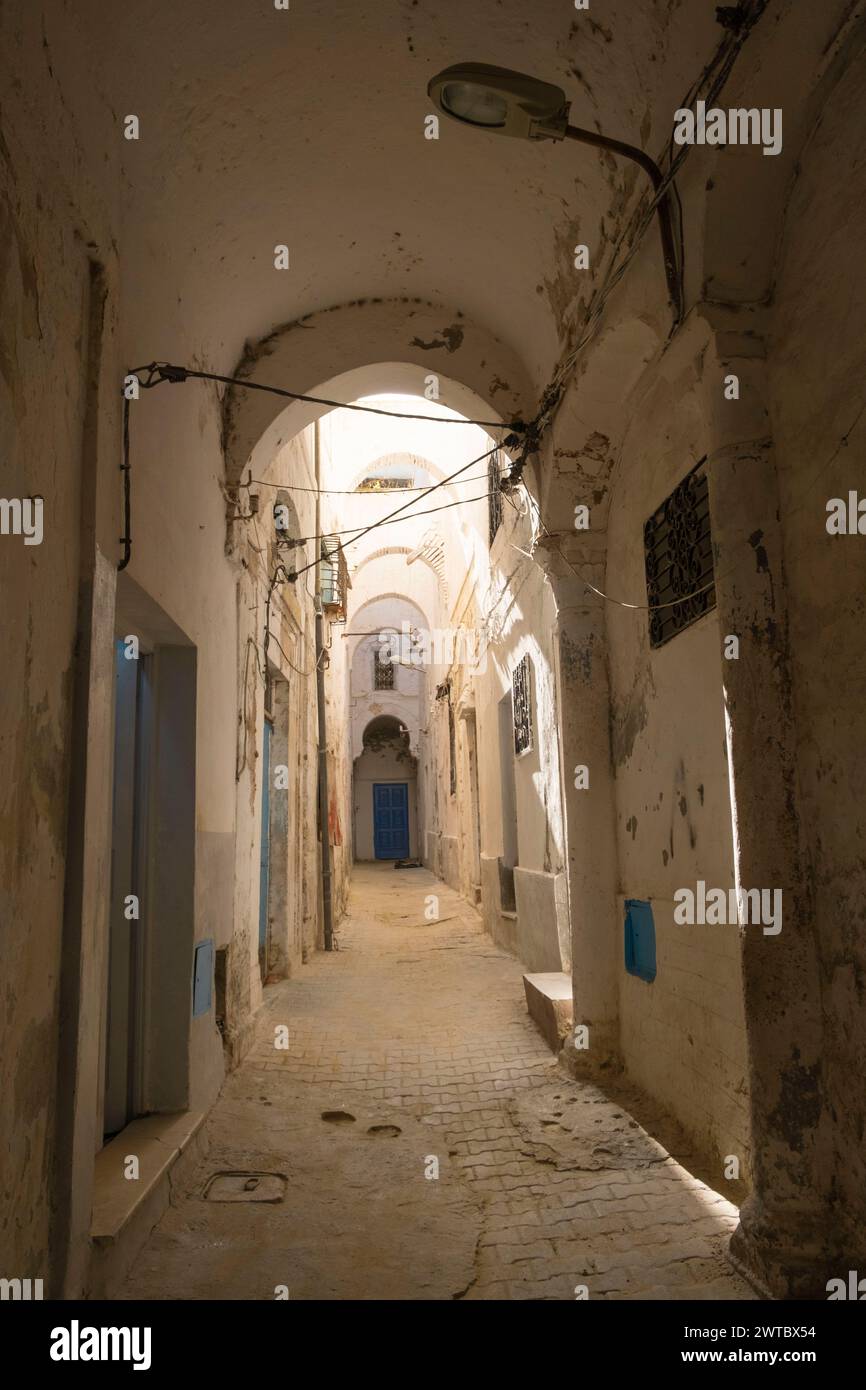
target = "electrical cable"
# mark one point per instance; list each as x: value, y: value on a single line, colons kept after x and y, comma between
x: 715, y: 74
x: 386, y: 519
x: 272, y: 637
x: 167, y: 371
x: 347, y: 492
x: 272, y: 585
x: 126, y: 538
x: 240, y: 765
x: 428, y: 511
x: 684, y: 598
x: 260, y: 549
x: 158, y: 372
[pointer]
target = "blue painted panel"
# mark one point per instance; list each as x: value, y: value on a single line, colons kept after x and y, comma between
x: 264, y: 862
x: 640, y: 940
x: 391, y: 820
x: 202, y: 978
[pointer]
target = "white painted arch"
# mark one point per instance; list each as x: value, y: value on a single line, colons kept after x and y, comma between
x: 367, y: 348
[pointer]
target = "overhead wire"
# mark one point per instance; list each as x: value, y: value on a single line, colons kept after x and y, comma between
x: 347, y: 492
x: 158, y: 372
x: 167, y: 371
x: 391, y: 515
x: 126, y: 538
x: 241, y: 762
x: 411, y: 516
x: 272, y: 637
x: 714, y: 75
x: 739, y: 546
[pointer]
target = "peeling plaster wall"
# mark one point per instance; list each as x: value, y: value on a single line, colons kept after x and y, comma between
x: 625, y: 71
x: 518, y: 615
x: 59, y: 159
x: 682, y: 1037
x: 816, y: 353
x: 187, y: 227
x: 293, y: 926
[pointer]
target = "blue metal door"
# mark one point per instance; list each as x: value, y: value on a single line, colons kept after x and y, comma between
x: 266, y: 845
x: 391, y: 820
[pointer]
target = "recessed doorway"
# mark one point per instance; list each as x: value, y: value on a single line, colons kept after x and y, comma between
x: 391, y: 820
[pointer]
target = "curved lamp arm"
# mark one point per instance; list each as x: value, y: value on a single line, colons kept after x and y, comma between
x: 664, y: 209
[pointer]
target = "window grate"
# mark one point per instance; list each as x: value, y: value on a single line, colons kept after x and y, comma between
x: 334, y: 575
x: 494, y: 497
x: 521, y: 683
x: 383, y: 670
x: 678, y: 556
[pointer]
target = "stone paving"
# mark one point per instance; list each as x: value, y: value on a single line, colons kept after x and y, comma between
x: 410, y: 1052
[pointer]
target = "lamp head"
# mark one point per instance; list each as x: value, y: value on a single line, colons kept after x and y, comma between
x: 502, y: 101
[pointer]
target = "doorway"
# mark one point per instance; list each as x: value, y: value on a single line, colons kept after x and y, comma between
x: 391, y: 820
x: 508, y: 802
x: 148, y: 985
x: 265, y: 857
x: 133, y: 708
x: 474, y: 804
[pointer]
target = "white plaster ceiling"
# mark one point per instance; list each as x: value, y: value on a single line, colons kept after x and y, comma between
x: 305, y: 127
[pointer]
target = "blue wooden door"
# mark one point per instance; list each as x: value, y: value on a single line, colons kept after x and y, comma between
x: 266, y: 845
x: 391, y: 820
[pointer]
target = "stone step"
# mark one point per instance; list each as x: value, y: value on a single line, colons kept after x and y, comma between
x: 126, y: 1209
x: 548, y: 999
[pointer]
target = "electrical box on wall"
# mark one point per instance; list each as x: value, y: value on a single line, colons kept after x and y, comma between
x: 202, y: 978
x: 640, y: 940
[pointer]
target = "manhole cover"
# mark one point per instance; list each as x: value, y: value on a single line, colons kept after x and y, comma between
x: 245, y: 1187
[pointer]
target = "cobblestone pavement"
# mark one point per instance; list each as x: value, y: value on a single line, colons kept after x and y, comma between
x: 410, y: 1049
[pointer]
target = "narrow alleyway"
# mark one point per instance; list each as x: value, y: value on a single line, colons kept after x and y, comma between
x: 408, y: 1045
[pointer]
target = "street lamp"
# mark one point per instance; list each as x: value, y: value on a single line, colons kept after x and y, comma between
x: 510, y: 103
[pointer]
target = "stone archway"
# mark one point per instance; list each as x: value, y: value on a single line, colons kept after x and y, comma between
x: 363, y: 348
x: 385, y: 792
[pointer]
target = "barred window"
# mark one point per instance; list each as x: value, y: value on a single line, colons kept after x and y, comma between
x: 494, y: 499
x: 383, y: 669
x: 521, y: 699
x: 678, y: 556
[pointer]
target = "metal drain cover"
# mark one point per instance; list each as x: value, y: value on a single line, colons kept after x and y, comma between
x: 245, y: 1187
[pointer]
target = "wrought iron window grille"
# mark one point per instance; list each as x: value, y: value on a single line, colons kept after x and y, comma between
x: 494, y: 499
x: 678, y: 558
x: 383, y: 671
x: 521, y: 697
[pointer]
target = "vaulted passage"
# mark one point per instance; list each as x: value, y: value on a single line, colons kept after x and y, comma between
x: 432, y: 572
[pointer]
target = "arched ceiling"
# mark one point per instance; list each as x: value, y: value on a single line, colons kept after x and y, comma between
x: 306, y: 127
x: 358, y: 565
x: 384, y: 726
x: 357, y: 344
x: 361, y: 614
